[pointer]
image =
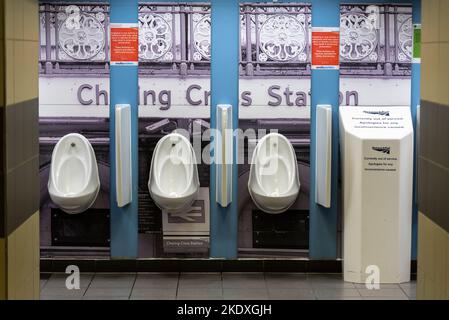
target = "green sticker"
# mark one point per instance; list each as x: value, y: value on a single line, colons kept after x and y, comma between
x: 417, y: 41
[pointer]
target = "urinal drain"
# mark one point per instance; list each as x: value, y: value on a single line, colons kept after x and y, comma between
x: 73, y: 145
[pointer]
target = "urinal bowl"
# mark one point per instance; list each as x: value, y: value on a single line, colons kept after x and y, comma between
x: 274, y: 191
x: 173, y: 180
x: 273, y: 204
x: 74, y: 182
x: 75, y: 204
x: 174, y: 204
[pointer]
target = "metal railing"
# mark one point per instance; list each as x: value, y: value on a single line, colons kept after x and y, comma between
x: 175, y: 39
x: 376, y: 40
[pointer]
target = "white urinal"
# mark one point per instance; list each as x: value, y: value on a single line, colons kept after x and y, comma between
x: 73, y: 182
x: 173, y: 180
x: 274, y: 179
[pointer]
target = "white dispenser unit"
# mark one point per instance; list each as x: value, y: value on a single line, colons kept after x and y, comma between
x: 123, y: 174
x: 323, y: 155
x: 377, y: 161
x: 224, y: 154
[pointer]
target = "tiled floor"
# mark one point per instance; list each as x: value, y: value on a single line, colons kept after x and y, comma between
x: 218, y: 286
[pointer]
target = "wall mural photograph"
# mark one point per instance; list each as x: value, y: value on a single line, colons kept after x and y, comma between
x: 174, y: 100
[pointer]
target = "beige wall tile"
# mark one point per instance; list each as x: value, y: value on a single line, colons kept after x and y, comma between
x: 9, y: 66
x: 2, y: 269
x: 444, y: 20
x: 19, y: 71
x: 433, y: 260
x: 429, y: 71
x: 31, y: 20
x: 26, y: 77
x: 11, y: 276
x: 36, y: 254
x: 2, y: 19
x: 9, y: 21
x: 443, y: 73
x: 447, y: 266
x: 18, y: 19
x: 430, y: 20
x: 29, y: 88
x: 439, y: 260
x: 2, y: 72
x: 23, y: 267
x: 421, y: 240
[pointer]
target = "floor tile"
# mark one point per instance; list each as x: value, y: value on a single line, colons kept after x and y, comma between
x: 105, y: 298
x: 153, y: 294
x: 155, y: 298
x: 62, y: 292
x: 217, y: 286
x: 49, y: 297
x: 287, y: 281
x: 324, y: 281
x: 58, y: 280
x: 208, y: 280
x: 381, y: 286
x: 291, y: 294
x: 385, y: 298
x: 248, y: 281
x: 410, y: 292
x: 108, y: 292
x: 203, y: 294
x: 336, y: 294
x: 408, y: 285
x: 42, y: 284
x: 245, y: 294
x: 393, y: 293
x: 162, y: 281
x: 102, y: 280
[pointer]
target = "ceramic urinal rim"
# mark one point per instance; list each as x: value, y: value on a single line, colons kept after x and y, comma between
x: 291, y: 184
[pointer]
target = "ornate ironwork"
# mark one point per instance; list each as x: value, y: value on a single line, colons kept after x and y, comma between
x: 202, y: 36
x: 275, y: 39
x: 405, y: 44
x: 282, y: 37
x: 358, y: 37
x: 155, y: 36
x: 81, y: 35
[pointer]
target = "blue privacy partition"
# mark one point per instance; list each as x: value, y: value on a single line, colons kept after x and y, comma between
x: 415, y: 102
x: 325, y: 88
x: 123, y: 90
x: 225, y: 90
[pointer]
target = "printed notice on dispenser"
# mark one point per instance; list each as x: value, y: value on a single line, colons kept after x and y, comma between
x: 325, y: 48
x: 124, y: 44
x: 378, y: 119
x: 379, y: 157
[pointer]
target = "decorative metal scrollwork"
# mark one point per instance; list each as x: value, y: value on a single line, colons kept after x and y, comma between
x: 155, y: 36
x: 81, y: 35
x: 358, y: 38
x: 405, y: 40
x: 282, y: 38
x: 201, y: 36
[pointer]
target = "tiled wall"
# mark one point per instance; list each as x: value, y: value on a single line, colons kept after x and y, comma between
x: 433, y: 179
x: 2, y: 105
x: 19, y: 227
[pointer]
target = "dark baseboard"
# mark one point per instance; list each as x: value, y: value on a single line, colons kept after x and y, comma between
x: 198, y: 265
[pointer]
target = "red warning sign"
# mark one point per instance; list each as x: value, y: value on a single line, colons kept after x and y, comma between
x: 124, y: 44
x: 325, y: 48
